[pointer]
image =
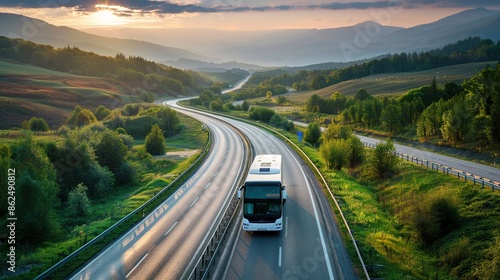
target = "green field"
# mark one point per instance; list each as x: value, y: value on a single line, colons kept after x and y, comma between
x: 28, y: 91
x: 15, y: 68
x: 395, y: 83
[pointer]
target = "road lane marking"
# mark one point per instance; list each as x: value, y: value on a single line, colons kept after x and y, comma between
x: 206, y: 187
x: 318, y: 224
x: 279, y: 258
x: 170, y: 229
x: 136, y: 265
x: 192, y: 203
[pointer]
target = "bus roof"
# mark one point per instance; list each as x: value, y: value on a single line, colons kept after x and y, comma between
x: 265, y: 168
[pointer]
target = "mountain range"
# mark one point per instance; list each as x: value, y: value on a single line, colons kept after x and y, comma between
x: 217, y: 49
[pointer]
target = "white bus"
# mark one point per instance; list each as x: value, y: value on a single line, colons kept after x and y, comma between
x: 263, y: 195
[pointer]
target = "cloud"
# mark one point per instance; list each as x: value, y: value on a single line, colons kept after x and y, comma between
x: 216, y: 6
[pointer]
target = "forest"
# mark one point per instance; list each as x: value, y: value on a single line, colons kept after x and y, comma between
x: 465, y: 51
x: 91, y: 156
x: 457, y: 114
x: 132, y: 70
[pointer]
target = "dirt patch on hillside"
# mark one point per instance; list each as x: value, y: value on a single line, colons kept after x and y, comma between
x: 178, y: 155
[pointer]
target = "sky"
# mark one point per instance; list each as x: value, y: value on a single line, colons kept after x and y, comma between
x: 238, y: 14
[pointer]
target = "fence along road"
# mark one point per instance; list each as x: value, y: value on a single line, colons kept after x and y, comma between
x: 475, y: 172
x: 480, y: 174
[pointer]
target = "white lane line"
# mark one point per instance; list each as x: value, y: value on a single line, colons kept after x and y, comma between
x: 206, y: 187
x: 136, y: 265
x: 170, y: 229
x: 318, y: 224
x: 192, y: 203
x: 279, y: 258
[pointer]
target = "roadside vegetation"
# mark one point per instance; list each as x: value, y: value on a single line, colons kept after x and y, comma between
x: 82, y: 178
x: 410, y: 222
x: 89, y: 147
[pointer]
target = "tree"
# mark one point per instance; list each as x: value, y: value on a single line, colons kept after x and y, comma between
x: 111, y: 151
x: 78, y: 207
x: 313, y: 103
x: 245, y: 106
x: 337, y: 131
x: 281, y: 100
x: 168, y: 120
x: 383, y: 160
x: 313, y: 133
x: 362, y: 95
x: 102, y: 112
x: 77, y: 164
x: 38, y: 124
x: 36, y: 188
x: 261, y: 114
x: 335, y: 152
x: 84, y: 117
x: 391, y: 117
x: 269, y: 94
x: 155, y: 142
x: 357, y: 151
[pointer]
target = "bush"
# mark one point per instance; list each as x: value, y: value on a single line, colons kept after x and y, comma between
x: 433, y: 216
x: 336, y: 153
x: 383, y: 161
x: 357, y: 151
x: 38, y: 124
x: 155, y: 142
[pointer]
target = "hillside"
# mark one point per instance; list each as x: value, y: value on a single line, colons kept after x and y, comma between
x: 208, y: 48
x: 395, y: 83
x: 41, y: 32
x: 28, y: 91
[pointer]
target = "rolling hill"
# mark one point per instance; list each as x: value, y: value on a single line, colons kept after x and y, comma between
x: 269, y: 48
x: 29, y: 91
x: 396, y: 83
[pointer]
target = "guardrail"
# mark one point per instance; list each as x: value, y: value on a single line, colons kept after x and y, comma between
x: 206, y: 261
x: 445, y: 169
x: 139, y: 211
x: 303, y: 155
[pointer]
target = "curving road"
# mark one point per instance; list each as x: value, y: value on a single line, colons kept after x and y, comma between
x: 163, y: 244
x: 310, y: 245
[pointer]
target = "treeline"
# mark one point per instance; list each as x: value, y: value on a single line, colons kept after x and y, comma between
x: 132, y: 70
x: 464, y: 51
x: 464, y: 113
x: 57, y: 180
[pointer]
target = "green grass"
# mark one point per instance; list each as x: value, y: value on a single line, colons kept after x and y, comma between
x: 11, y: 68
x: 395, y: 83
x: 377, y: 215
x: 154, y: 175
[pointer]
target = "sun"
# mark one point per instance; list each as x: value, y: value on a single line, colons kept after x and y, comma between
x: 106, y: 16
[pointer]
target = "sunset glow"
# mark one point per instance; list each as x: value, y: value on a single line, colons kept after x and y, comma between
x: 105, y: 15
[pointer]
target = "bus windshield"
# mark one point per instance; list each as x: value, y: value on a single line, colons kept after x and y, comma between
x: 262, y: 202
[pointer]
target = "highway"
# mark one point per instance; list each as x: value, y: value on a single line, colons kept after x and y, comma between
x: 310, y: 246
x: 163, y: 244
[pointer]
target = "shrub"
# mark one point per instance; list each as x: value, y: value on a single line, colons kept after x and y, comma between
x: 433, y: 216
x: 38, y: 124
x: 155, y: 142
x: 383, y: 161
x: 336, y: 153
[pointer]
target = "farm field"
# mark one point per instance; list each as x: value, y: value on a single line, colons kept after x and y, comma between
x: 395, y: 83
x: 28, y: 91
